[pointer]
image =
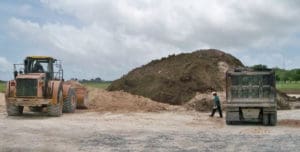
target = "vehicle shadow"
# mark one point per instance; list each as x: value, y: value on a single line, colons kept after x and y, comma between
x: 31, y: 115
x: 241, y: 123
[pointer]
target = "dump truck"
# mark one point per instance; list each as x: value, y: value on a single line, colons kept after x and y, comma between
x: 39, y: 84
x: 251, y: 96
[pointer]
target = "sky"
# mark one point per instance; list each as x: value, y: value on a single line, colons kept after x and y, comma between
x: 108, y: 38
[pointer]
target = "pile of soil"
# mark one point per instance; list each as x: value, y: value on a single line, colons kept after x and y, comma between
x: 289, y: 123
x: 118, y: 101
x: 283, y: 100
x: 204, y: 101
x: 177, y: 78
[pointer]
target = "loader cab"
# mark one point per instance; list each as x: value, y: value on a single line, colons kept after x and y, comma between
x: 41, y: 64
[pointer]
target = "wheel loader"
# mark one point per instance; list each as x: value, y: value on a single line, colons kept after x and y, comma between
x: 39, y: 84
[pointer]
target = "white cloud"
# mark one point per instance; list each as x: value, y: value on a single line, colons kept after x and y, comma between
x: 4, y: 64
x: 90, y: 49
x: 116, y: 36
x: 6, y: 69
x: 215, y: 23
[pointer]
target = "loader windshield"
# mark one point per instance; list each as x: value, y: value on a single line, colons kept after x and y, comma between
x: 38, y: 65
x: 43, y: 64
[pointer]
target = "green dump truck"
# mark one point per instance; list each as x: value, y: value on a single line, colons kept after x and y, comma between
x: 251, y: 96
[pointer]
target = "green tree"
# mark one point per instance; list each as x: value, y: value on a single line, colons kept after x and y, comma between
x: 284, y: 77
x: 297, y: 75
x: 277, y: 77
x: 259, y: 67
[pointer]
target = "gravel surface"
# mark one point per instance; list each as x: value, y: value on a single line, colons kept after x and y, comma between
x: 145, y: 131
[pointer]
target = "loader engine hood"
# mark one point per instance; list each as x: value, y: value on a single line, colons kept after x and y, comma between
x: 30, y: 85
x: 36, y: 76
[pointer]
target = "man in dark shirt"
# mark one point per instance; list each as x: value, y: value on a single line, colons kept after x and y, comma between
x: 38, y: 68
x: 217, y: 105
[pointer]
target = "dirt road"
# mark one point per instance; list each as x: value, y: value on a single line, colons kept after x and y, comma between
x: 160, y: 131
x: 294, y: 95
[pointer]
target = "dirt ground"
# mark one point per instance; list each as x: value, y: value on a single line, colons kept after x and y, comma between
x: 143, y: 131
x: 294, y: 95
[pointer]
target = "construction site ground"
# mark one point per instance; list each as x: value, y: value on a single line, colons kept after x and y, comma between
x: 166, y: 130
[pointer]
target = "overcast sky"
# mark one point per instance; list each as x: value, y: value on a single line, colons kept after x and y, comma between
x: 107, y: 38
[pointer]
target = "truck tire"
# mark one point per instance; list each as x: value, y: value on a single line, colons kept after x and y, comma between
x: 55, y: 110
x: 229, y: 122
x: 71, y: 101
x: 13, y: 110
x: 273, y: 119
x: 36, y: 109
x: 265, y: 119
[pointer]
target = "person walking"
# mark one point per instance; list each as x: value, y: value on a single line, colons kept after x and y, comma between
x: 217, y: 105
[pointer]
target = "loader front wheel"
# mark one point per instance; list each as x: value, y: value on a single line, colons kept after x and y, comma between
x: 13, y: 110
x: 71, y: 102
x: 55, y: 110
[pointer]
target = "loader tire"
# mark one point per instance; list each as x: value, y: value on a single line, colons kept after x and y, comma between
x: 13, y: 110
x: 71, y: 102
x: 36, y: 109
x: 55, y: 110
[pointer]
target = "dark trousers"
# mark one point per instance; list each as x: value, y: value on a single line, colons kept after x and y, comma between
x: 215, y: 109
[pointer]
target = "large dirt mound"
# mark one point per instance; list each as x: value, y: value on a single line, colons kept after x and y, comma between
x: 118, y: 101
x: 177, y: 78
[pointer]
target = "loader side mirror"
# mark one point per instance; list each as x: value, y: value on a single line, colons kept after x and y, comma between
x: 26, y: 66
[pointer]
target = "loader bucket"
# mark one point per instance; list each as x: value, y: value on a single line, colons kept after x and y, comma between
x: 82, y: 98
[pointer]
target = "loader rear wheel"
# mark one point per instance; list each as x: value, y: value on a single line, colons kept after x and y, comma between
x: 13, y: 110
x: 55, y: 110
x: 71, y: 102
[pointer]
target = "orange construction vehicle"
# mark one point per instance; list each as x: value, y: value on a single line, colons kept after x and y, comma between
x: 39, y: 84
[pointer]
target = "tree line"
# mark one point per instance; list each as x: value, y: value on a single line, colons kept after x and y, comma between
x: 96, y: 80
x: 282, y: 74
x: 287, y: 75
